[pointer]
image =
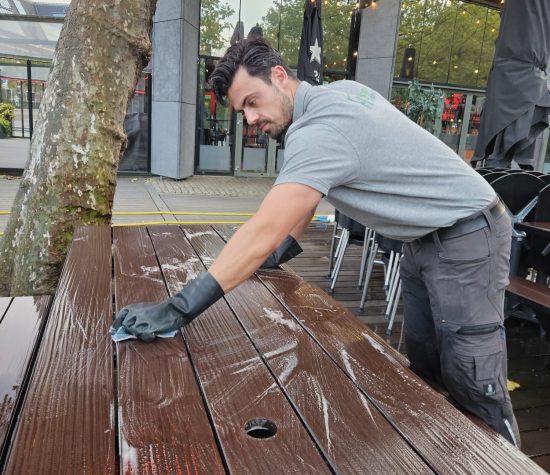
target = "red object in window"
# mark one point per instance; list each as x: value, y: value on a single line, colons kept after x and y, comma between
x: 212, y: 102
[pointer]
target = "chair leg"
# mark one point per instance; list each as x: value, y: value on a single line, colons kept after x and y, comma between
x: 338, y: 249
x: 394, y: 283
x: 344, y: 238
x: 390, y: 270
x: 331, y: 253
x: 365, y: 254
x: 370, y: 266
x: 394, y: 311
x: 394, y: 275
x: 401, y: 335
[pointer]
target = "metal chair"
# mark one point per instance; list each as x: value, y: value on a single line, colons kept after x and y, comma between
x: 538, y: 248
x: 352, y: 232
x: 490, y: 177
x: 391, y: 251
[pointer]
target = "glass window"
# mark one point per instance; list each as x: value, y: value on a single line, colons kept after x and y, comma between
x: 399, y: 97
x: 448, y: 42
x: 218, y: 19
x: 546, y: 164
x: 14, y: 90
x: 136, y: 127
x: 336, y: 18
x: 452, y: 118
x: 29, y: 38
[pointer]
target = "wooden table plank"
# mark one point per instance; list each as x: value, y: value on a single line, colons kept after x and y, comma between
x: 19, y: 330
x: 353, y: 435
x: 237, y: 385
x: 439, y: 432
x: 67, y: 420
x: 423, y: 416
x: 163, y: 425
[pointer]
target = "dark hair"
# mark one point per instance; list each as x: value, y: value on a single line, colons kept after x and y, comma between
x: 255, y: 54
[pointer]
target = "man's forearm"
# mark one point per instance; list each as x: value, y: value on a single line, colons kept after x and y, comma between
x: 245, y: 252
x: 287, y: 209
x: 298, y: 230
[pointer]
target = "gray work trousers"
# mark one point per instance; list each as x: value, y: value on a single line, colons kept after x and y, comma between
x: 453, y: 294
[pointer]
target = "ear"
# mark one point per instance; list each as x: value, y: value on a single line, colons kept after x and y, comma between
x: 279, y: 75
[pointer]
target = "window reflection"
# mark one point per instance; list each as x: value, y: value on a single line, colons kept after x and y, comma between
x: 453, y: 41
x: 136, y: 127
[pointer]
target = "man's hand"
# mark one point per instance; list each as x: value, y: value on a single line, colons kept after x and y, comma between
x: 147, y: 320
x: 288, y: 249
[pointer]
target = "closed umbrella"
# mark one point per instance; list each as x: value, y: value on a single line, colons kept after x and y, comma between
x: 238, y: 33
x: 518, y: 99
x: 310, y: 56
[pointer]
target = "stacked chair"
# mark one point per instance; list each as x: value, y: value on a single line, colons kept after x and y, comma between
x: 351, y: 232
x: 519, y: 193
x: 387, y: 252
x: 538, y: 249
x: 377, y: 250
x: 526, y: 195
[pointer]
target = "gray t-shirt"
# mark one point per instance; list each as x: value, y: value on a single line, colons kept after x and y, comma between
x: 375, y: 165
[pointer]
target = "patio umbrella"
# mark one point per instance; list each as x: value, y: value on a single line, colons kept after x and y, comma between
x: 310, y: 56
x: 238, y: 33
x: 518, y: 99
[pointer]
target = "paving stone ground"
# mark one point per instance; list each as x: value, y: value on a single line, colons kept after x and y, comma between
x: 205, y: 198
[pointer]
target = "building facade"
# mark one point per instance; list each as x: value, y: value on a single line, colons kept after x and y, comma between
x: 174, y: 124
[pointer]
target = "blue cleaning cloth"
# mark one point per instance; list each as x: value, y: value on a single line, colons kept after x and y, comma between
x: 121, y: 335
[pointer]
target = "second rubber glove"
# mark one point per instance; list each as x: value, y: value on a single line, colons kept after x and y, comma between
x: 288, y: 249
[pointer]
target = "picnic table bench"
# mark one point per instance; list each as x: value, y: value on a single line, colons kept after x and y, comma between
x: 275, y: 378
x: 533, y: 294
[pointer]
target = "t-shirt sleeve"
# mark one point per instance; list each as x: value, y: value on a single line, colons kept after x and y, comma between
x: 318, y: 156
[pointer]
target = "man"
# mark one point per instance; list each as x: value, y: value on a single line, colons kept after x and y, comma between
x: 347, y: 143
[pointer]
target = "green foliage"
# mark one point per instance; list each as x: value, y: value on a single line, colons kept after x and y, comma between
x: 214, y: 15
x: 454, y: 40
x: 282, y: 27
x: 422, y: 104
x: 6, y: 117
x: 335, y: 17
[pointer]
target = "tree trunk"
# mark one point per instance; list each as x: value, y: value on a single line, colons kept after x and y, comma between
x: 70, y: 177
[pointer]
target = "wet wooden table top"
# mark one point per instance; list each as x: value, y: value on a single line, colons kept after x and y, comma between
x: 275, y: 378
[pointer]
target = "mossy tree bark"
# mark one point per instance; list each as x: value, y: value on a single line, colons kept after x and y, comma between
x: 70, y: 177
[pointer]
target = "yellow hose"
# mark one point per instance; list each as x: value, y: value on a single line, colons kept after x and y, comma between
x: 176, y: 222
x: 191, y: 213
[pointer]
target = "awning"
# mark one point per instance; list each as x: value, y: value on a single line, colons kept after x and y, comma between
x: 28, y: 39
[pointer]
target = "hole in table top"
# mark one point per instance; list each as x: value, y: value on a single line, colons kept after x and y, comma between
x: 260, y: 428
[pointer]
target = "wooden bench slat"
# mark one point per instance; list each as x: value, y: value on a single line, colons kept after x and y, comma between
x: 163, y: 425
x: 353, y: 435
x: 237, y: 385
x: 67, y: 421
x: 440, y: 433
x: 19, y: 330
x: 531, y: 291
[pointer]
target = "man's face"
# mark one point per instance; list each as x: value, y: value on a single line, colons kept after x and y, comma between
x: 268, y: 106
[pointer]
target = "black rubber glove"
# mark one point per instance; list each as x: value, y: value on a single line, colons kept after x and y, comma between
x: 286, y: 251
x: 146, y: 320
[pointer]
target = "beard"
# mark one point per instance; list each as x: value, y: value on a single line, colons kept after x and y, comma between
x: 278, y: 129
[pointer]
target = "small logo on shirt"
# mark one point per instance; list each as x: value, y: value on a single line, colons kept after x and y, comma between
x: 365, y: 98
x: 489, y: 389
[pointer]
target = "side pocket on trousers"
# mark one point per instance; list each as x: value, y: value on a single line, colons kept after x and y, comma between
x: 487, y: 366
